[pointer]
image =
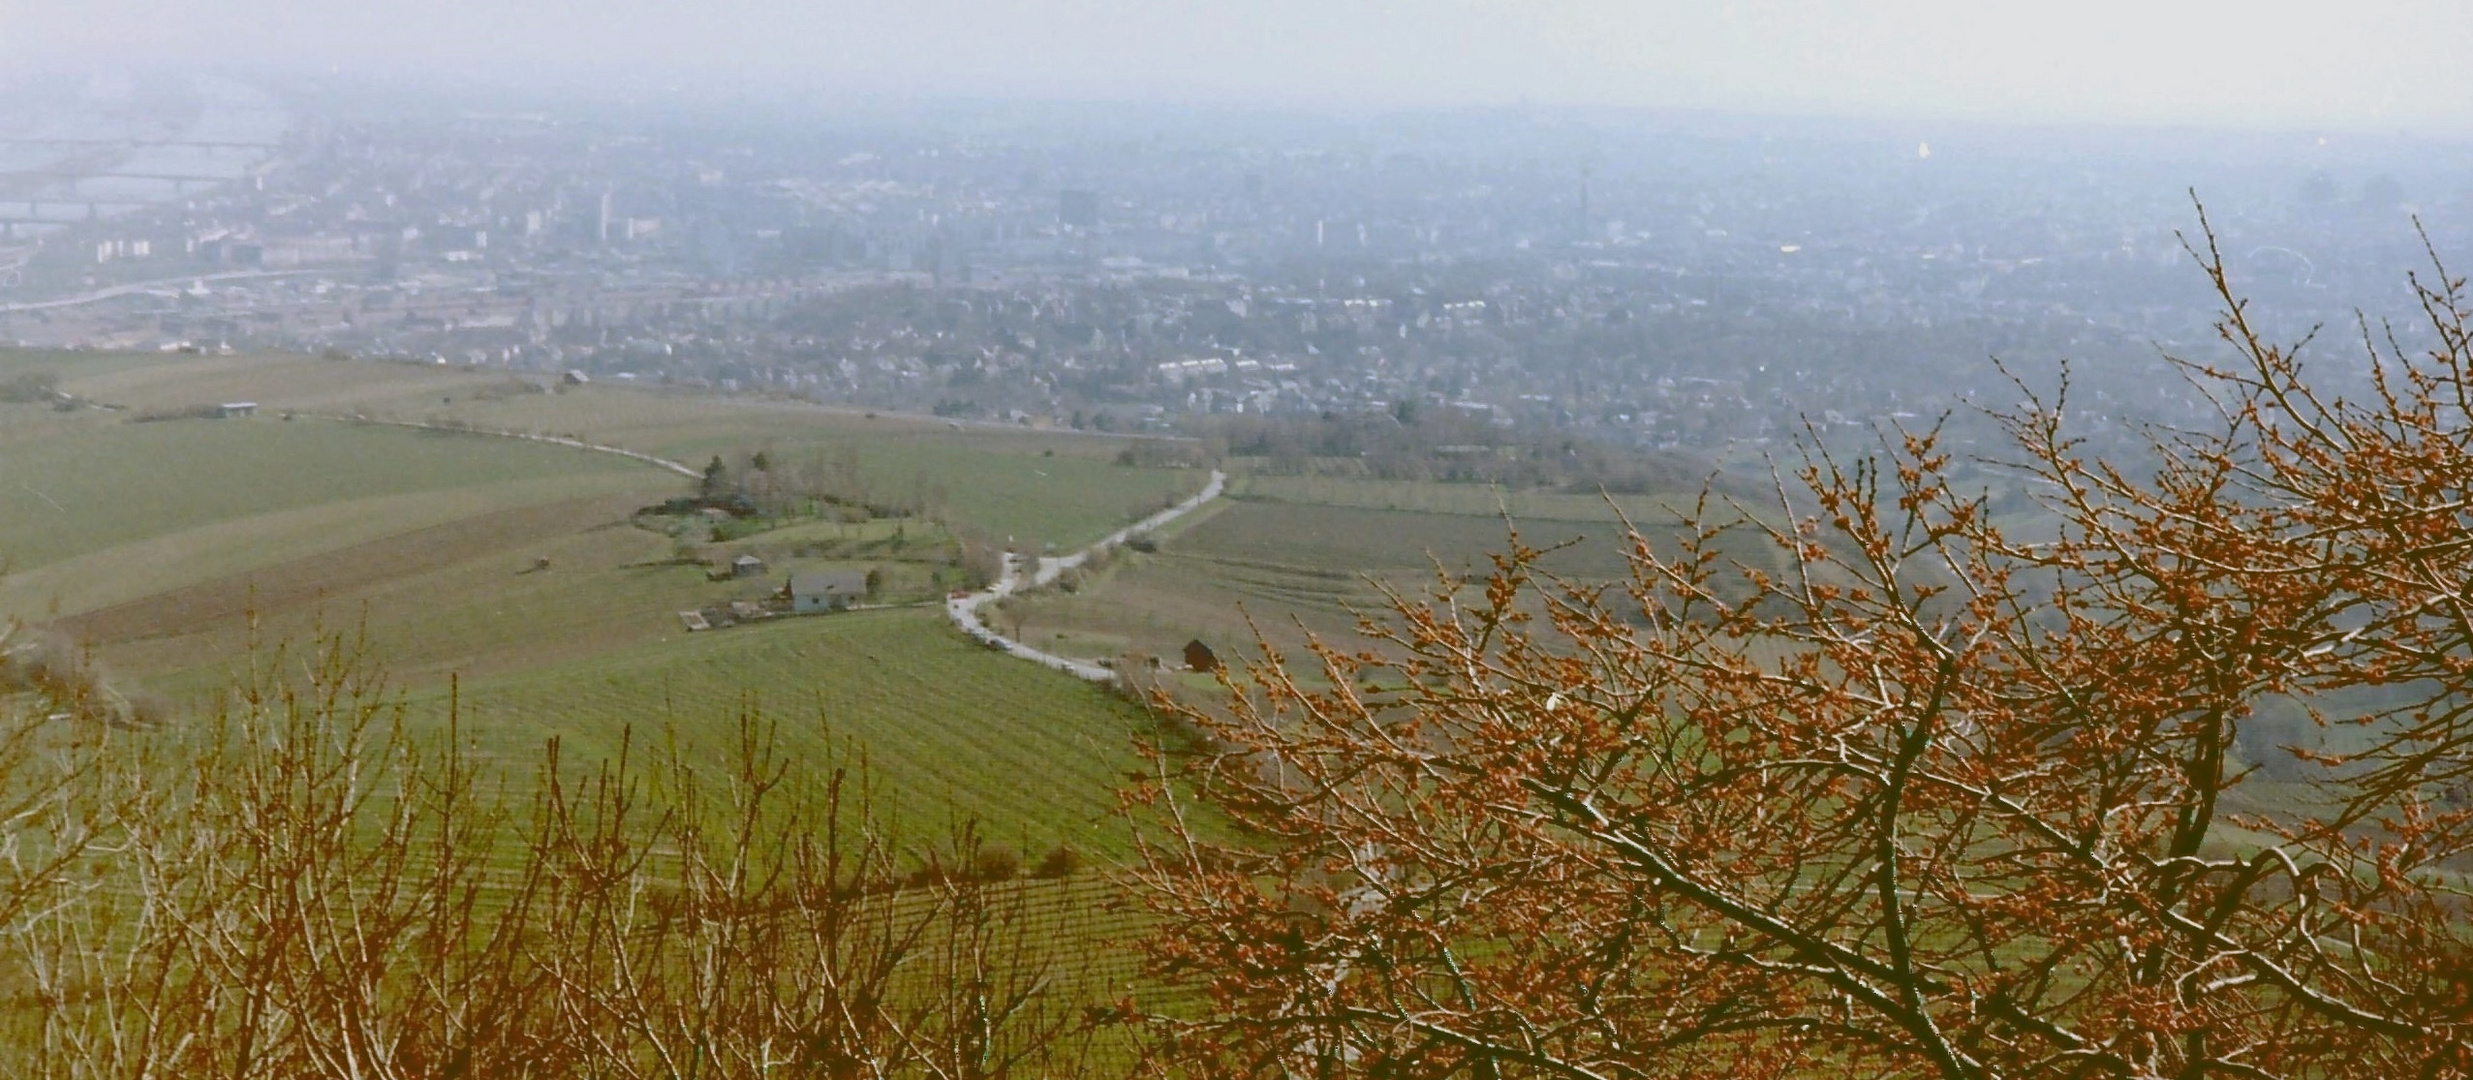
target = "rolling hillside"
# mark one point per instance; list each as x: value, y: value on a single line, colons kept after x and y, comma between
x: 181, y: 549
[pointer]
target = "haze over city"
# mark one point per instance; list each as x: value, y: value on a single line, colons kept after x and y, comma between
x: 2385, y: 65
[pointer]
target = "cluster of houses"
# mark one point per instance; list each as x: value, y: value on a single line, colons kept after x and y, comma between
x: 810, y: 592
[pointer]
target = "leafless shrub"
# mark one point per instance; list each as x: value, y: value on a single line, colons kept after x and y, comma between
x: 65, y: 680
x: 300, y: 887
x: 982, y: 561
x: 1060, y: 861
x: 996, y: 862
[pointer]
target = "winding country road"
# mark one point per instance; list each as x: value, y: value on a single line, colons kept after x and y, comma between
x: 964, y: 610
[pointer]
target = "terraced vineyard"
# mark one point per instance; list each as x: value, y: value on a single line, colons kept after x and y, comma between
x: 1094, y: 946
x: 1292, y: 568
x: 107, y: 483
x: 507, y: 581
x: 174, y: 548
x: 1478, y: 500
x: 1296, y: 556
x: 948, y: 729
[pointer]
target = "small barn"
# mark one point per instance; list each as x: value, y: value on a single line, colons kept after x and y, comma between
x: 747, y: 566
x: 231, y: 409
x: 1199, y: 657
x: 826, y: 590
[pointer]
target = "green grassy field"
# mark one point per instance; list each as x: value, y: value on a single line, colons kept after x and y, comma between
x: 1480, y: 500
x: 1296, y: 556
x: 946, y: 727
x: 516, y: 570
x: 106, y: 484
x: 278, y: 381
x: 138, y: 569
x: 513, y: 580
x: 462, y: 597
x: 1038, y: 488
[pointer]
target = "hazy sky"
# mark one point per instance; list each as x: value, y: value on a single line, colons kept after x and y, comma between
x: 2378, y: 64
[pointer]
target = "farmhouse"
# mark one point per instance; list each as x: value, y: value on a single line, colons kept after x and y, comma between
x: 832, y: 590
x: 230, y: 409
x: 746, y: 566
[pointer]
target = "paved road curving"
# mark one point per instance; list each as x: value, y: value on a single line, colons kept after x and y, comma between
x: 964, y: 610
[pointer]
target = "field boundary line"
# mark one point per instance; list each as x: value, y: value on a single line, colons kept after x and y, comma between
x: 501, y: 433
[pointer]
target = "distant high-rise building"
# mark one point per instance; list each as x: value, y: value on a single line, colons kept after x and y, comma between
x: 606, y: 202
x: 1077, y: 209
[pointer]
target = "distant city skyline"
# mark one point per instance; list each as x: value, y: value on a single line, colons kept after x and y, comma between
x: 2377, y: 66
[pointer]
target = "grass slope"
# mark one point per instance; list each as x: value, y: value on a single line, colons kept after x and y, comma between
x: 177, y: 547
x: 946, y: 727
x: 1040, y: 488
x: 263, y: 543
x: 105, y: 484
x: 1291, y: 569
x: 1292, y: 556
x: 1477, y: 500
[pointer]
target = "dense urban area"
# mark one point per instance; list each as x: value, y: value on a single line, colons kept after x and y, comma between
x: 1659, y: 281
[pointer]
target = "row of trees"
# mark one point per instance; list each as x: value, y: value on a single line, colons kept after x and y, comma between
x: 776, y: 484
